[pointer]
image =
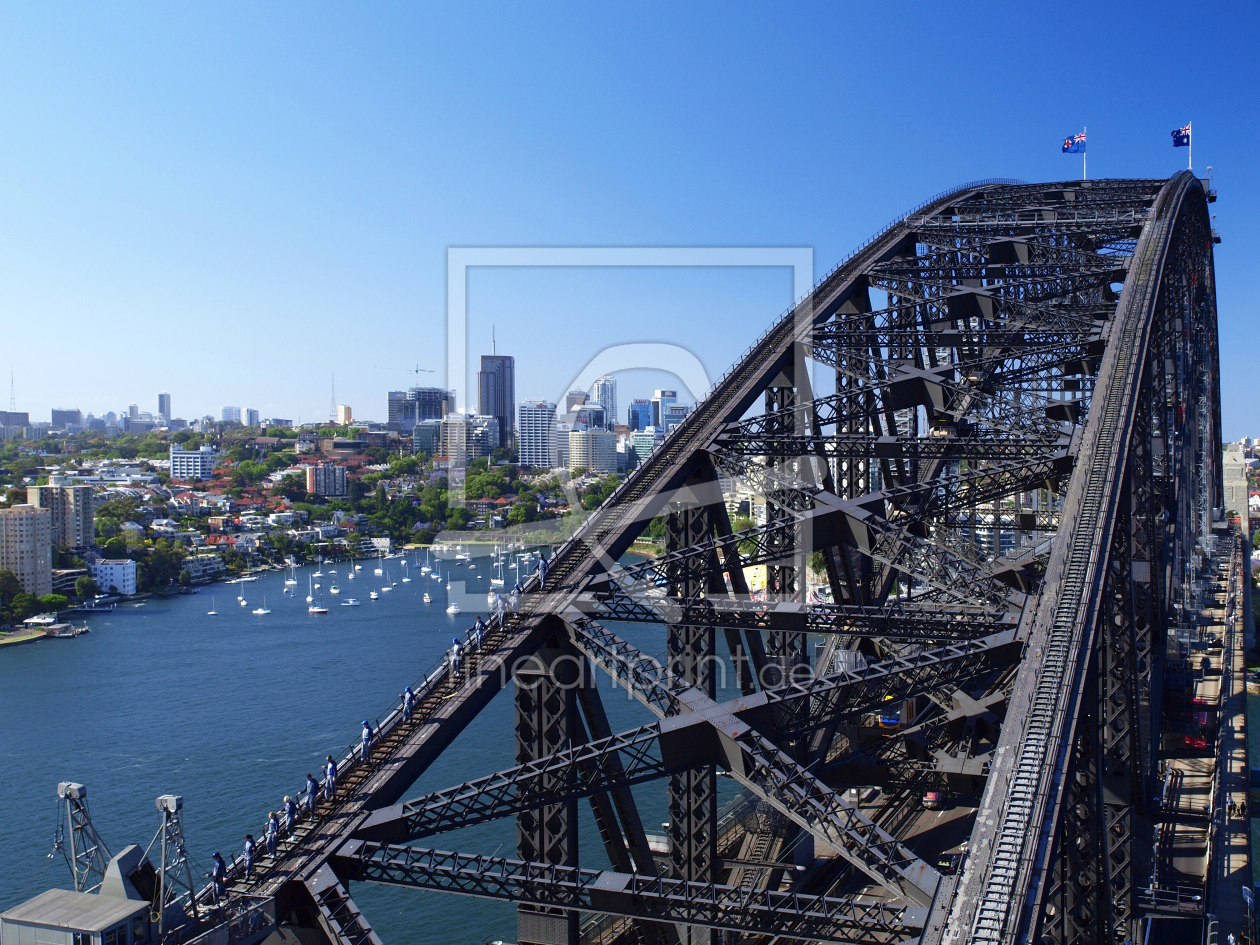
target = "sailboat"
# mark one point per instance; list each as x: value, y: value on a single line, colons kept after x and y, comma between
x: 263, y: 609
x: 244, y: 603
x: 378, y: 565
x: 498, y: 581
x: 212, y: 612
x: 292, y: 578
x: 317, y: 607
x: 310, y: 589
x: 350, y: 575
x: 425, y: 568
x: 318, y: 561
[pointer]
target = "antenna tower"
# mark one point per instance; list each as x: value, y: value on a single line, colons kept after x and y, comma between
x: 12, y: 394
x: 332, y: 407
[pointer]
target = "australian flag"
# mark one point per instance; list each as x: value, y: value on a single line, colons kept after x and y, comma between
x: 1181, y: 137
x: 1074, y: 144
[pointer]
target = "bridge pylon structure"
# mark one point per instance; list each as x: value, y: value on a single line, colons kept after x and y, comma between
x: 992, y: 436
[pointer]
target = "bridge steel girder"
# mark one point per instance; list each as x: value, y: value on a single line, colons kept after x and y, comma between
x: 1007, y: 487
x: 1077, y: 764
x: 663, y: 899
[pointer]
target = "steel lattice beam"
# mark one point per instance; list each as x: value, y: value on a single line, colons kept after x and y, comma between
x: 668, y: 900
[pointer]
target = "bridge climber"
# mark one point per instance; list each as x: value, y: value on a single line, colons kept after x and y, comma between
x: 1012, y: 484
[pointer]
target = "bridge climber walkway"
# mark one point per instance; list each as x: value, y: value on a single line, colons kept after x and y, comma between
x: 445, y: 704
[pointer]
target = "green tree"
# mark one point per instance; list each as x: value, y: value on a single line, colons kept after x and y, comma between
x: 85, y: 587
x: 116, y: 547
x: 54, y: 601
x: 185, y: 577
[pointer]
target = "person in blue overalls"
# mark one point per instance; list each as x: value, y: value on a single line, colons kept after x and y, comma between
x: 312, y: 795
x: 542, y: 573
x: 408, y: 703
x: 330, y: 778
x: 218, y: 876
x: 290, y: 816
x: 478, y: 630
x: 456, y: 656
x: 273, y: 833
x: 249, y: 856
x: 365, y: 742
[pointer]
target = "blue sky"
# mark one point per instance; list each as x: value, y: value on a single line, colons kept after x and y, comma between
x: 235, y: 202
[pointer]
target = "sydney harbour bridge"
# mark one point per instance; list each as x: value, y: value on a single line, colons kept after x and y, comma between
x: 1012, y: 487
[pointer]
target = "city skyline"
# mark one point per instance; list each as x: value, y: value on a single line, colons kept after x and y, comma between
x: 149, y: 182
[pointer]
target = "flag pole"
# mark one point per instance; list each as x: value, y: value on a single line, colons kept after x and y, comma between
x: 1085, y: 154
x: 1190, y: 163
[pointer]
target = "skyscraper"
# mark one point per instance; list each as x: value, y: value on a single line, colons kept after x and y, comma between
x: 605, y: 392
x: 73, y: 522
x: 26, y: 546
x: 639, y: 416
x: 537, y: 430
x: 228, y: 414
x: 164, y: 406
x: 496, y: 392
x: 661, y: 401
x: 250, y: 417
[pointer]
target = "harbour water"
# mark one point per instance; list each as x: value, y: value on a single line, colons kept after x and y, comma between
x: 231, y: 711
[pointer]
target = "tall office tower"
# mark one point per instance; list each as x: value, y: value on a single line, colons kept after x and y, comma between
x: 605, y: 391
x: 26, y: 547
x: 639, y: 416
x: 73, y: 509
x: 250, y: 417
x: 406, y: 408
x: 133, y: 411
x: 496, y: 392
x: 574, y: 399
x: 660, y: 406
x: 164, y: 406
x: 227, y: 414
x: 537, y: 432
x: 344, y: 414
x: 62, y: 418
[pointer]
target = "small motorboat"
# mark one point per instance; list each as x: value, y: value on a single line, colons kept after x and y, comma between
x: 334, y: 589
x: 358, y: 567
x: 349, y: 602
x: 453, y: 609
x: 244, y: 603
x: 316, y: 609
x: 374, y: 595
x: 427, y: 598
x: 386, y: 589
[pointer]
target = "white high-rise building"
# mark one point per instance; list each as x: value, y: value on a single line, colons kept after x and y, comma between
x: 605, y: 392
x: 593, y: 450
x: 536, y: 428
x: 1234, y: 480
x: 227, y: 414
x: 187, y: 465
x: 164, y: 406
x: 250, y: 417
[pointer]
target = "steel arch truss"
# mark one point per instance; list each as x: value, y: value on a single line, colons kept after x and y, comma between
x: 972, y: 465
